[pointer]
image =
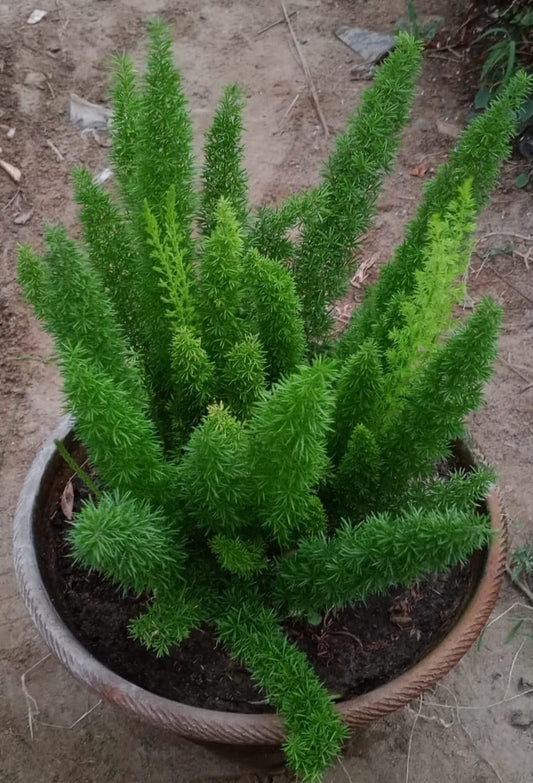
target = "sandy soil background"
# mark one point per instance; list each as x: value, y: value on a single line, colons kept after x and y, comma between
x: 217, y: 43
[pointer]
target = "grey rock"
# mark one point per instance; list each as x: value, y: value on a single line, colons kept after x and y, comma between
x: 372, y: 47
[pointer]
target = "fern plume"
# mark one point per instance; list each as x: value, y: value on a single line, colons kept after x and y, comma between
x: 223, y: 174
x: 220, y: 288
x: 315, y: 731
x: 474, y: 158
x: 124, y: 125
x: 275, y: 314
x: 352, y: 181
x: 288, y: 433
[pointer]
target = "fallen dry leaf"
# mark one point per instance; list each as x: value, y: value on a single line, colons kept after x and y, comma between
x: 67, y: 500
x: 23, y: 218
x: 420, y: 171
x: 13, y: 172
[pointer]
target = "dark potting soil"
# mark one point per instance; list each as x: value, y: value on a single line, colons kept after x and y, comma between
x: 352, y: 651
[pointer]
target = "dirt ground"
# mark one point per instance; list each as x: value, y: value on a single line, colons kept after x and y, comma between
x: 490, y: 738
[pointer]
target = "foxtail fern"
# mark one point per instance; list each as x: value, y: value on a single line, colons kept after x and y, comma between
x: 252, y: 464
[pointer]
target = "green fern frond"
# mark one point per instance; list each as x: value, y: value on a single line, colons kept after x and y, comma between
x: 132, y: 458
x: 315, y: 732
x: 357, y: 477
x: 193, y: 381
x: 359, y: 397
x: 32, y: 277
x: 275, y: 314
x: 288, y: 434
x: 164, y: 147
x: 129, y: 542
x: 224, y: 174
x: 269, y: 233
x: 220, y: 287
x: 461, y: 491
x: 383, y: 552
x: 169, y: 620
x: 352, y: 182
x: 239, y: 557
x: 447, y: 389
x: 244, y: 376
x: 125, y: 98
x: 479, y: 154
x: 171, y: 263
x: 112, y: 253
x: 213, y: 475
x: 427, y: 313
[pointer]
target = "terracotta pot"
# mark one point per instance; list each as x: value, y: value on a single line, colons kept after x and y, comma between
x: 224, y: 727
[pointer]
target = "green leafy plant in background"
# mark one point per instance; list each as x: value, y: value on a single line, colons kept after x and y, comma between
x: 422, y: 31
x: 252, y: 463
x: 506, y: 45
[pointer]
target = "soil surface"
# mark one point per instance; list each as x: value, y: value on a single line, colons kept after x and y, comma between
x: 51, y: 729
x: 352, y: 651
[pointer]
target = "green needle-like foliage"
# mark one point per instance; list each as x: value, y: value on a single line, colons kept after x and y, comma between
x: 269, y: 233
x: 164, y: 145
x: 359, y: 398
x: 32, y: 277
x: 315, y: 731
x: 221, y: 293
x: 288, y: 434
x: 239, y: 557
x: 171, y: 263
x: 193, y: 381
x: 128, y: 541
x: 384, y: 552
x: 357, y: 477
x: 352, y: 182
x: 461, y: 491
x: 427, y: 313
x: 112, y: 422
x: 276, y: 314
x: 111, y: 252
x: 244, y: 376
x: 224, y: 175
x: 242, y: 447
x: 473, y: 159
x: 71, y: 299
x: 169, y: 620
x: 213, y: 475
x: 448, y: 388
x: 124, y: 125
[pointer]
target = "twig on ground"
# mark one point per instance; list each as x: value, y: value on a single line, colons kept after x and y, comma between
x: 307, y: 72
x: 53, y: 147
x: 417, y: 715
x: 522, y: 237
x: 291, y: 107
x: 274, y: 24
x: 11, y: 200
x: 511, y: 670
x: 345, y: 771
x: 33, y: 707
x: 72, y: 725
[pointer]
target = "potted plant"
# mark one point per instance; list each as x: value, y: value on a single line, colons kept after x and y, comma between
x: 247, y: 463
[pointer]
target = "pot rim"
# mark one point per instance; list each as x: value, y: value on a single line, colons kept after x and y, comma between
x: 229, y: 727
